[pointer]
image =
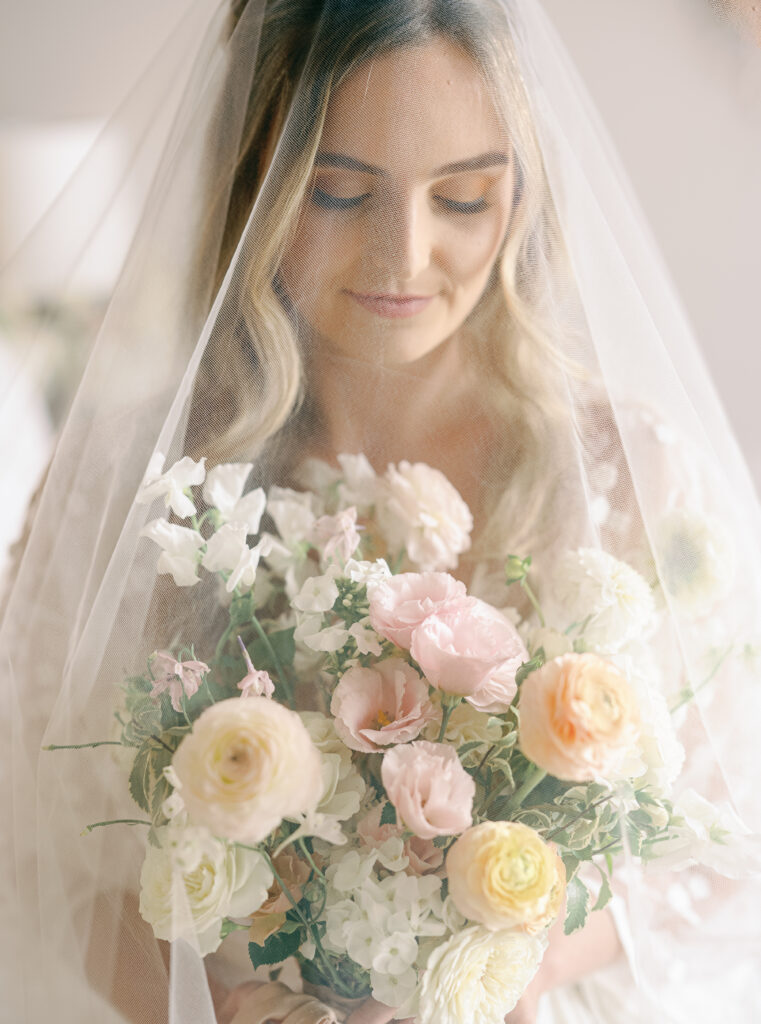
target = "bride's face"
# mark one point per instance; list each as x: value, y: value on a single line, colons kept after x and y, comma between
x: 408, y: 207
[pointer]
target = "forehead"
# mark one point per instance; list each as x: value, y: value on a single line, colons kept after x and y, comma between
x: 412, y: 110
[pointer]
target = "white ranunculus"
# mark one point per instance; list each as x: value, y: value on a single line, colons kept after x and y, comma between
x: 419, y: 511
x: 171, y: 486
x: 223, y: 490
x: 180, y: 550
x: 614, y: 600
x: 193, y: 881
x: 697, y: 560
x: 478, y: 976
x: 246, y: 765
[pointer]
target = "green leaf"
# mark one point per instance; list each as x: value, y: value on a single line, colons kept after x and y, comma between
x: 467, y: 747
x: 577, y: 906
x: 605, y: 894
x: 276, y: 949
x: 282, y: 644
x: 388, y: 814
x: 528, y: 667
x: 140, y: 778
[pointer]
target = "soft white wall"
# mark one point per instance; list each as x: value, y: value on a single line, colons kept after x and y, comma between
x: 680, y: 92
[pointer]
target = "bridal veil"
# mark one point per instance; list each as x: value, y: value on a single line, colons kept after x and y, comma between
x: 595, y: 427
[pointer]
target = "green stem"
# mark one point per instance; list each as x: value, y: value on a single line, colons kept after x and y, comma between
x: 222, y: 641
x: 308, y: 855
x: 114, y: 821
x: 282, y: 678
x: 576, y: 817
x: 534, y: 776
x: 689, y: 694
x: 534, y: 601
x: 449, y: 704
x: 309, y: 925
x: 83, y: 746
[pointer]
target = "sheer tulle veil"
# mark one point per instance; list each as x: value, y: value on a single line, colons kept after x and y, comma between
x: 595, y: 426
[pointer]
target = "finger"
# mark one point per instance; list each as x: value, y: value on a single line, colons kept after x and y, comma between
x: 372, y: 1012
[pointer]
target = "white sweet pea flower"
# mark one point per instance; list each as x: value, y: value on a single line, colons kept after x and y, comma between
x: 712, y: 835
x: 337, y: 536
x: 180, y: 550
x: 318, y: 594
x: 223, y: 490
x: 171, y: 485
x: 293, y: 514
x: 612, y: 599
x: 227, y: 551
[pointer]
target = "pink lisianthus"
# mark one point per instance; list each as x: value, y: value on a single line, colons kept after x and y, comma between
x: 374, y: 707
x: 399, y: 604
x: 431, y: 791
x: 424, y: 858
x: 468, y: 648
x: 178, y: 677
x: 256, y: 683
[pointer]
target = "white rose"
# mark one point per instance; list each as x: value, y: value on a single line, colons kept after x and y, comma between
x: 478, y: 976
x: 246, y: 765
x: 421, y: 512
x: 193, y: 881
x: 614, y: 601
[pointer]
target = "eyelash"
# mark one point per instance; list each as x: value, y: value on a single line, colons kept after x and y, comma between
x: 329, y: 202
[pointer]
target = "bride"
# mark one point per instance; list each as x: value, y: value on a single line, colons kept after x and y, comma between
x: 387, y: 228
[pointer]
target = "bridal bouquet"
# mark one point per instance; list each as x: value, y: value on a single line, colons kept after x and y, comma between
x: 461, y: 777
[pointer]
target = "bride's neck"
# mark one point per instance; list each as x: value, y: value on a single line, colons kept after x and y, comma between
x: 392, y: 413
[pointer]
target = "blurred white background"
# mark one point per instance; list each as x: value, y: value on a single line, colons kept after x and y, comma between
x: 678, y: 87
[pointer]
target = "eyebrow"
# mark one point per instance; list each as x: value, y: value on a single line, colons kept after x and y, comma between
x: 475, y: 163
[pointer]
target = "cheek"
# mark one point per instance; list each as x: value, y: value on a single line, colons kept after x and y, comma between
x: 470, y: 253
x: 321, y: 252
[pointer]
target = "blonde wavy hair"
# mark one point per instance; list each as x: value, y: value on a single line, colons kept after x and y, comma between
x: 250, y: 398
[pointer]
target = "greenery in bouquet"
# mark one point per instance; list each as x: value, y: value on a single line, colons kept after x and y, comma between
x: 462, y: 777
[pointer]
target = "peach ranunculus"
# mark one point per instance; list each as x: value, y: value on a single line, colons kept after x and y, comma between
x: 466, y: 647
x: 431, y: 791
x: 502, y: 874
x: 424, y: 858
x: 246, y: 765
x: 374, y: 707
x: 399, y: 604
x: 270, y: 916
x: 578, y: 717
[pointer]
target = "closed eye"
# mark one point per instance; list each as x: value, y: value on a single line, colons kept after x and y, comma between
x: 330, y: 202
x: 477, y: 206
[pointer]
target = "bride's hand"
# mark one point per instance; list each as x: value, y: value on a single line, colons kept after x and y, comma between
x: 371, y: 1012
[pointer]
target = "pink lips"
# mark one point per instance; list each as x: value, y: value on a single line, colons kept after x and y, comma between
x: 393, y: 306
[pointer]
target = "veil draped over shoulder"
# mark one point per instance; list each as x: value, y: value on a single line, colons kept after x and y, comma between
x: 390, y: 231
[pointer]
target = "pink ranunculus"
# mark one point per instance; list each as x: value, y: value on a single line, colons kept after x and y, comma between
x: 466, y: 647
x: 399, y: 604
x: 424, y: 858
x: 374, y: 707
x: 180, y: 678
x: 431, y: 791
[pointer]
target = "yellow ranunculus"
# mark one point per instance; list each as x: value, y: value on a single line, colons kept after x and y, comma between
x: 504, y: 875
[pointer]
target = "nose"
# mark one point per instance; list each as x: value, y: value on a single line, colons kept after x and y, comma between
x: 405, y: 238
